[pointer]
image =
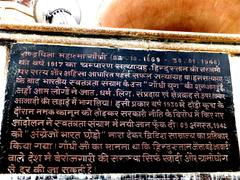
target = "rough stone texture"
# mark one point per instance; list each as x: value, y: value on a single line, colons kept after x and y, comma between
x: 220, y: 16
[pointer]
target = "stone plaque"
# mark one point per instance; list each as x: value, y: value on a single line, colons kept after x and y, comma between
x: 107, y: 110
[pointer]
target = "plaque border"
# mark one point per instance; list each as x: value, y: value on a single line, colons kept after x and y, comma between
x: 120, y: 38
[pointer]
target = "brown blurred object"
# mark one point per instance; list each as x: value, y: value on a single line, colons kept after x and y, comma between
x: 27, y: 3
x: 16, y: 11
x: 218, y: 16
